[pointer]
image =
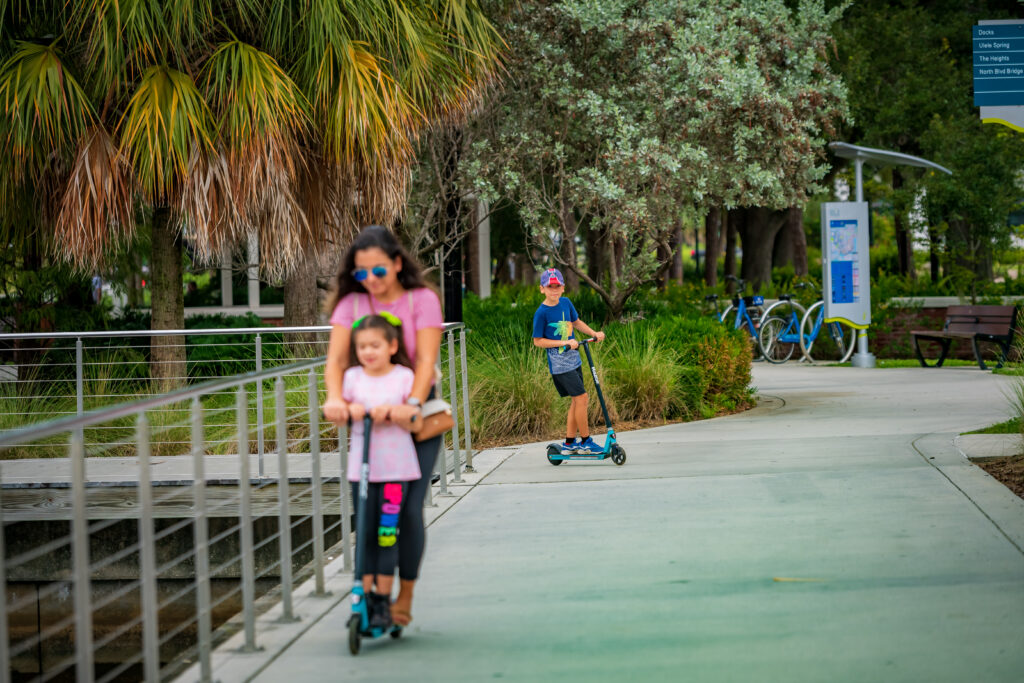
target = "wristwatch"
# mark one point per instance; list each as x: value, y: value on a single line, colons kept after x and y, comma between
x: 413, y: 401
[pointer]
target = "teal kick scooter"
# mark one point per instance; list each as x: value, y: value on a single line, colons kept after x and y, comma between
x: 611, y: 447
x: 359, y: 622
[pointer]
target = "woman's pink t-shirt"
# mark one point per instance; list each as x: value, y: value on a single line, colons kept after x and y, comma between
x: 416, y: 308
x: 392, y: 451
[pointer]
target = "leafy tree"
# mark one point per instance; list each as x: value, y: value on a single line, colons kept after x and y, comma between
x: 971, y: 207
x: 624, y: 116
x: 908, y: 65
x: 213, y: 120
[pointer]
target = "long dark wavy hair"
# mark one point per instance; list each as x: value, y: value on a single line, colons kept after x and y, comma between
x: 410, y: 277
x: 391, y: 333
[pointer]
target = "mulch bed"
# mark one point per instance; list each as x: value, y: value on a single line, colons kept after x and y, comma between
x: 1008, y: 470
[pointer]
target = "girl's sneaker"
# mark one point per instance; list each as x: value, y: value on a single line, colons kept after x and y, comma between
x: 570, y: 448
x: 379, y: 607
x: 588, y: 446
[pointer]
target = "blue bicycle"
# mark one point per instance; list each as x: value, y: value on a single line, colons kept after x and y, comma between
x: 787, y: 325
x: 744, y: 313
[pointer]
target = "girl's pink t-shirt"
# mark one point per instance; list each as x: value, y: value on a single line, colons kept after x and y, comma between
x: 416, y: 308
x: 392, y: 451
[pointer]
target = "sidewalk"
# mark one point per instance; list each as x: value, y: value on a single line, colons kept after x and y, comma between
x: 834, y: 533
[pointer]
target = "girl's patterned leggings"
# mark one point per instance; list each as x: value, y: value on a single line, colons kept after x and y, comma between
x: 384, y: 502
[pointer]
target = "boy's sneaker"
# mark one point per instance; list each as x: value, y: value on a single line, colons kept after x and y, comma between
x: 570, y: 448
x: 589, y: 446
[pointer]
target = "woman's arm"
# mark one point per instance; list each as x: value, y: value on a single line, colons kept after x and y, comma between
x: 335, y: 408
x: 428, y: 343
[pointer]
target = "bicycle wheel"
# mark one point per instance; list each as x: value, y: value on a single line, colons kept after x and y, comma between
x: 730, y: 310
x: 823, y: 342
x: 779, y: 335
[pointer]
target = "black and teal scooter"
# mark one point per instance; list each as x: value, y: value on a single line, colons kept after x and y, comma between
x: 359, y: 622
x: 611, y: 447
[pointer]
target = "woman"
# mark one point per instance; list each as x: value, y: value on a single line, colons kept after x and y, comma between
x: 378, y: 275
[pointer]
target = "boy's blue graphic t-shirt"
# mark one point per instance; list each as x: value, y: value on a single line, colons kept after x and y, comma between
x: 555, y: 322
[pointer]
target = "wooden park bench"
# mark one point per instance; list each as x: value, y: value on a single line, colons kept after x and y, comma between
x: 992, y: 324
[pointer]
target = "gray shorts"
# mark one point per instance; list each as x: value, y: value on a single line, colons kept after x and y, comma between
x: 570, y: 383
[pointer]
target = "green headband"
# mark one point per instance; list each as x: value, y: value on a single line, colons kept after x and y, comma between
x: 390, y: 317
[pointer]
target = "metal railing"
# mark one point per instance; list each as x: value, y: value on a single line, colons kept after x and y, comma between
x: 68, y: 373
x: 139, y: 538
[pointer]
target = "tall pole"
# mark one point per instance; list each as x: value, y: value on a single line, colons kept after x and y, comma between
x: 452, y: 265
x: 863, y: 358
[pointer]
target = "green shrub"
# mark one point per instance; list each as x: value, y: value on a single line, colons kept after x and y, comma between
x: 641, y: 374
x: 511, y: 391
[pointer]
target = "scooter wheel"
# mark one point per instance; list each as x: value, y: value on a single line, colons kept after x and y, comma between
x: 354, y: 637
x: 396, y: 633
x: 618, y: 455
x: 554, y: 450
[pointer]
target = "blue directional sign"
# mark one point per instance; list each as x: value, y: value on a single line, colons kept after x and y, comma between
x: 998, y: 64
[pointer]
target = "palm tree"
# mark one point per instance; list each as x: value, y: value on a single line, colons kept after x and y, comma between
x: 214, y: 120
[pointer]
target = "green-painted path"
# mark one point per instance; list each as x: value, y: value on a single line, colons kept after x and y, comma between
x: 834, y: 533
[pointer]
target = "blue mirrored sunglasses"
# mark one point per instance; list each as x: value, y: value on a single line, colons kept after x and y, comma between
x: 362, y: 273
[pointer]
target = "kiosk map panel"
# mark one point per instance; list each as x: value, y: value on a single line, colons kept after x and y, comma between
x: 846, y: 282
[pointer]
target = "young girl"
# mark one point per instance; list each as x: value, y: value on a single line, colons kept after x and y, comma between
x: 379, y: 378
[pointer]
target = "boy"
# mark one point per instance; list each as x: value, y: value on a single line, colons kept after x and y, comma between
x: 553, y: 326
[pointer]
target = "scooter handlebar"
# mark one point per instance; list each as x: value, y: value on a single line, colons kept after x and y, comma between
x: 581, y: 342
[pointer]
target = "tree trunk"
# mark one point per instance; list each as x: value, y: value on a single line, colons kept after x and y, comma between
x: 502, y: 274
x: 795, y: 227
x: 904, y: 240
x: 619, y: 249
x: 525, y: 274
x: 733, y: 219
x: 664, y: 257
x: 167, y: 354
x: 933, y: 253
x: 301, y: 301
x: 712, y: 240
x: 567, y: 247
x: 758, y: 238
x: 791, y: 243
x: 676, y: 270
x: 598, y: 253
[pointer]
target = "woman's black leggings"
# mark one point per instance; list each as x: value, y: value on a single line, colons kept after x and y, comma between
x: 412, y: 537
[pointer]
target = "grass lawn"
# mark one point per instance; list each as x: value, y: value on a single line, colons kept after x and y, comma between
x: 1011, y: 426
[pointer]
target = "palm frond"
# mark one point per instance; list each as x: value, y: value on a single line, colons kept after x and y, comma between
x: 166, y: 123
x: 251, y: 96
x: 97, y: 209
x: 261, y: 115
x: 44, y: 109
x: 122, y: 37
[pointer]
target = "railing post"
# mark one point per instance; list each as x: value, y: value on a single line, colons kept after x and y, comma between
x: 284, y: 520
x: 202, y: 550
x: 314, y: 460
x: 453, y: 384
x: 5, y: 655
x: 79, y: 378
x: 465, y: 400
x: 343, y: 495
x: 147, y: 557
x: 259, y: 407
x: 80, y: 562
x: 247, y: 558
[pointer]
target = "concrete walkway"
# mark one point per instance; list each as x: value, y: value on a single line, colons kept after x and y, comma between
x: 834, y: 533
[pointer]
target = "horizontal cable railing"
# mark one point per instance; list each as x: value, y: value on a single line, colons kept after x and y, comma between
x: 157, y: 519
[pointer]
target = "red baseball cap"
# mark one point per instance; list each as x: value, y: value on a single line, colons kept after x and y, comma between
x: 551, y: 274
